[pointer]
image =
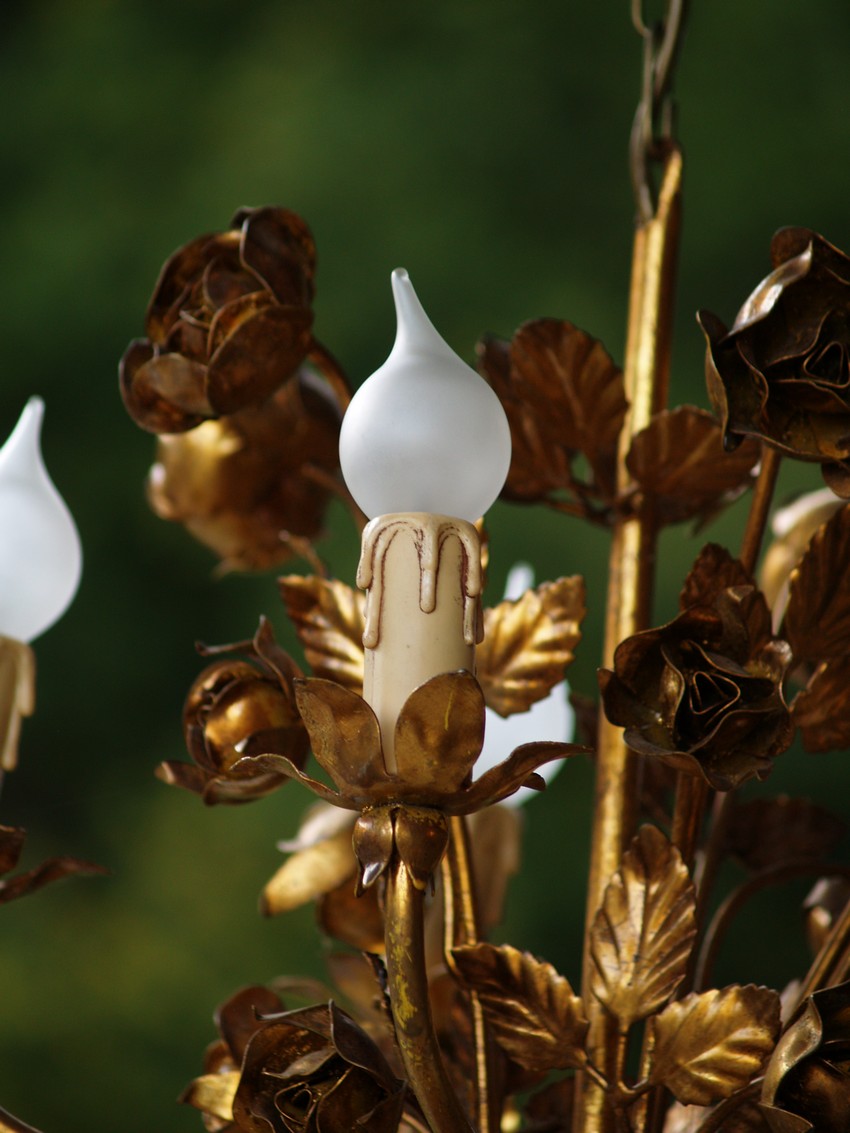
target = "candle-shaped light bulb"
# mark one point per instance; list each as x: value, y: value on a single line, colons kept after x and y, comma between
x: 424, y: 433
x: 40, y: 555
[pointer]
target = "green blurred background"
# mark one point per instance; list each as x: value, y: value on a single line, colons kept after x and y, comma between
x: 483, y: 146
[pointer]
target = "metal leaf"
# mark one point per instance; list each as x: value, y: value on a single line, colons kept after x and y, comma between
x: 539, y: 464
x: 532, y: 1010
x: 807, y: 1078
x: 344, y: 733
x: 817, y: 620
x: 12, y: 840
x: 528, y: 644
x: 679, y: 459
x: 642, y: 935
x: 820, y: 710
x: 714, y: 570
x: 355, y: 921
x: 257, y: 357
x: 709, y: 1045
x: 496, y: 836
x: 563, y: 395
x: 213, y: 1094
x: 512, y: 773
x: 54, y: 869
x: 309, y: 874
x: 439, y: 733
x: 328, y: 617
x: 763, y: 833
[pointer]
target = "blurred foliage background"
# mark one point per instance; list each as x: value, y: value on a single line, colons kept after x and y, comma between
x: 482, y: 145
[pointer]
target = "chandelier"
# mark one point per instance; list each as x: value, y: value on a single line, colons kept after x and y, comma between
x: 413, y: 720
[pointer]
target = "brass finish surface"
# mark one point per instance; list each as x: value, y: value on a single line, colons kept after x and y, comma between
x: 632, y: 563
x: 461, y: 927
x: 411, y: 1006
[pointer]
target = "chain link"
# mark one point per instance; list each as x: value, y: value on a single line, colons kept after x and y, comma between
x: 653, y: 128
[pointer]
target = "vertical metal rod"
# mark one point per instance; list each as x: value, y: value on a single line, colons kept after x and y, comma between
x: 632, y: 565
x: 462, y: 927
x: 771, y: 459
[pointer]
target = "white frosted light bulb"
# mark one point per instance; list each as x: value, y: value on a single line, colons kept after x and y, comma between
x: 40, y: 554
x: 424, y: 433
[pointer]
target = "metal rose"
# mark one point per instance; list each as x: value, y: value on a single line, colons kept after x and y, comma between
x: 807, y: 1083
x: 782, y: 373
x: 313, y: 1071
x: 238, y: 483
x: 704, y: 692
x: 228, y: 323
x: 237, y: 708
x: 237, y: 1021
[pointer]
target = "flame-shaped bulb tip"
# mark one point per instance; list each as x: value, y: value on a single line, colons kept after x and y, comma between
x: 424, y: 433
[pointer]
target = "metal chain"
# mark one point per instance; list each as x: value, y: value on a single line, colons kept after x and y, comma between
x: 653, y: 128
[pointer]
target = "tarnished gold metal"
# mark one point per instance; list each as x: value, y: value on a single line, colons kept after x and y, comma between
x: 702, y: 700
x: 408, y: 986
x: 461, y: 927
x: 630, y: 580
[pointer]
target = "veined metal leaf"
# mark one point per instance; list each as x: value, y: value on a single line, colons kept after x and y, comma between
x: 679, y: 459
x: 642, y: 935
x: 528, y: 644
x: 709, y: 1045
x: 820, y: 710
x: 328, y: 617
x: 563, y: 395
x: 817, y: 620
x: 531, y: 1009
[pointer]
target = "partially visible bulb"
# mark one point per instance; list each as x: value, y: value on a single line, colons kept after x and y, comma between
x: 40, y: 553
x: 424, y: 433
x: 552, y: 718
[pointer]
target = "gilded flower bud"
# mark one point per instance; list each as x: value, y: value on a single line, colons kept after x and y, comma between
x: 313, y: 1070
x: 234, y: 709
x: 229, y: 322
x: 704, y: 692
x: 782, y: 373
x: 239, y: 483
x: 808, y: 1077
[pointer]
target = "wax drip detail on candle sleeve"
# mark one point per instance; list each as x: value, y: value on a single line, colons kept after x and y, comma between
x: 429, y: 533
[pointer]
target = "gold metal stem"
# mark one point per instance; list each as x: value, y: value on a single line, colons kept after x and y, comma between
x: 691, y: 797
x: 411, y: 1006
x: 629, y: 586
x: 462, y: 927
x: 830, y: 961
x: 771, y: 459
x: 739, y: 897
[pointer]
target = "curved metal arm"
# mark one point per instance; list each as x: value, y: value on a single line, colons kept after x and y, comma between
x: 411, y: 1007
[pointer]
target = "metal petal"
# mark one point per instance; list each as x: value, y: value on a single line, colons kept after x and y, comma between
x: 439, y: 735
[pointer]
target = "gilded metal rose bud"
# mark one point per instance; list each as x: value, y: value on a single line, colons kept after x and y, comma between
x: 782, y: 373
x: 294, y: 1071
x: 807, y: 1083
x: 251, y: 485
x: 237, y: 708
x: 704, y: 692
x: 229, y: 322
